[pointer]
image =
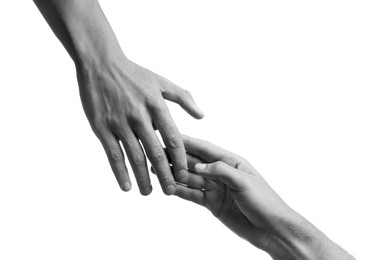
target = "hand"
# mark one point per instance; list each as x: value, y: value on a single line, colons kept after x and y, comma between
x: 125, y: 103
x: 231, y: 189
x: 240, y: 198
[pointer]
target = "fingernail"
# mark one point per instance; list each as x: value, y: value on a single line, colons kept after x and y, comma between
x: 126, y: 186
x: 170, y: 190
x: 200, y: 166
x: 147, y: 191
x: 200, y: 111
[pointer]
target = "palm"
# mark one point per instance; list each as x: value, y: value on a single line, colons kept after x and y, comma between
x: 219, y: 199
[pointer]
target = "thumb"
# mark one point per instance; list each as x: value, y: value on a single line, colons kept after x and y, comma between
x: 183, y: 98
x: 225, y: 173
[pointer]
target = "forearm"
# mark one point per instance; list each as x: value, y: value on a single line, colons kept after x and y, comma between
x: 299, y: 239
x: 82, y: 28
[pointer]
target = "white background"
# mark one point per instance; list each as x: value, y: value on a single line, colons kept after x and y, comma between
x: 299, y: 88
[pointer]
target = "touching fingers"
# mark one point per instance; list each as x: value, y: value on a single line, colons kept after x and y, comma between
x: 212, y: 153
x: 172, y: 140
x: 227, y: 174
x: 182, y: 97
x: 115, y: 156
x: 206, y: 150
x: 194, y: 195
x: 192, y: 160
x: 191, y: 180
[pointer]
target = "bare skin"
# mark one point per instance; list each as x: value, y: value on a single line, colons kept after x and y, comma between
x: 239, y: 197
x: 124, y: 102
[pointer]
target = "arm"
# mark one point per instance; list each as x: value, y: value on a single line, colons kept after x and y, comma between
x: 241, y: 199
x: 122, y: 101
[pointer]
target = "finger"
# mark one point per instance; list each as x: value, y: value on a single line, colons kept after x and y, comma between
x: 227, y: 174
x: 182, y: 97
x: 137, y: 160
x: 158, y: 159
x: 194, y: 181
x: 168, y: 156
x: 172, y: 140
x: 209, y: 152
x: 190, y: 194
x: 192, y: 160
x: 191, y: 180
x: 117, y: 162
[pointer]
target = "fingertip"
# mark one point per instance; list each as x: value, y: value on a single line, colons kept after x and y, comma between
x: 170, y: 190
x: 147, y: 191
x: 200, y: 167
x: 194, y: 111
x: 126, y: 186
x: 180, y: 175
x: 199, y: 113
x: 199, y: 116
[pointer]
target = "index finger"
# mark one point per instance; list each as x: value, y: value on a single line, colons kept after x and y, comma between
x: 204, y: 149
x: 173, y: 142
x: 210, y: 152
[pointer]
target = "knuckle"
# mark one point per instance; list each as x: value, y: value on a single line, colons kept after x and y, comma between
x: 185, y: 97
x: 96, y: 121
x: 115, y: 155
x: 158, y: 106
x: 122, y: 173
x: 138, y: 159
x: 121, y: 131
x: 241, y: 162
x: 136, y: 116
x: 173, y: 141
x: 219, y: 166
x: 151, y: 98
x: 165, y: 85
x: 234, y: 160
x: 115, y: 122
x: 97, y: 125
x: 158, y: 156
x: 187, y: 94
x: 238, y: 161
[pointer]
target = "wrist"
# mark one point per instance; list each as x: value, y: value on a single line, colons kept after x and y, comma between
x: 297, y: 238
x: 91, y: 38
x: 291, y: 236
x: 88, y: 56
